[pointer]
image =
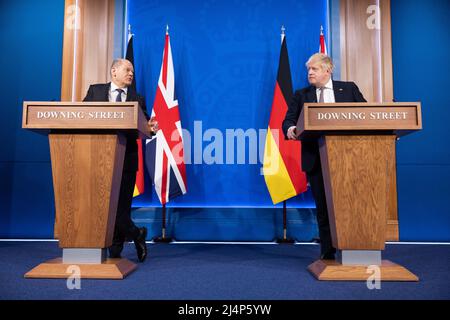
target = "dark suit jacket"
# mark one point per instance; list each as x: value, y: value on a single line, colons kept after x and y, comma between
x: 100, y: 92
x: 343, y: 92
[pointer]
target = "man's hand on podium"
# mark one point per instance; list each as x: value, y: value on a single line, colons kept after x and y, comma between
x: 152, y: 125
x: 291, y: 133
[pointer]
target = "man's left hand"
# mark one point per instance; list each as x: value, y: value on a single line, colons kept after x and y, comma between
x: 152, y: 125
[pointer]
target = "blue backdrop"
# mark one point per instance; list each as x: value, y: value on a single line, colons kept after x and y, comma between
x: 420, y: 46
x: 31, y: 56
x: 225, y: 57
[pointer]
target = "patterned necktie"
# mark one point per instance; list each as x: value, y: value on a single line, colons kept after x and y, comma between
x: 321, y: 98
x: 119, y: 95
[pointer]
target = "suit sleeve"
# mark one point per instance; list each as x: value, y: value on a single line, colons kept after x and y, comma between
x: 89, y: 95
x: 293, y: 112
x: 357, y: 95
x: 143, y: 106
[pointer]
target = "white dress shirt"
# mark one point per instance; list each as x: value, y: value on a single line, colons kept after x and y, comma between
x: 328, y: 93
x: 113, y: 93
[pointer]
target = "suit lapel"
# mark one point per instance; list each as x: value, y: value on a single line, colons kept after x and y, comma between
x: 105, y: 93
x: 338, y: 90
x: 311, y: 94
x: 131, y: 95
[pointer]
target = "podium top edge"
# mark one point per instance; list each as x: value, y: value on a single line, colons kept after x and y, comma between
x: 359, y: 104
x: 79, y: 103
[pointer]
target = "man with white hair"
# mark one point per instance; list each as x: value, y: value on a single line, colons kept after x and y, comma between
x: 322, y: 89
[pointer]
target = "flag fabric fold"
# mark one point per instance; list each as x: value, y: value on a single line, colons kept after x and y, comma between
x: 139, y: 185
x: 164, y: 153
x: 282, y: 158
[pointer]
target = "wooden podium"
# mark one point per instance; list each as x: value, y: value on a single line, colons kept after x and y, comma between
x: 87, y: 147
x: 357, y: 147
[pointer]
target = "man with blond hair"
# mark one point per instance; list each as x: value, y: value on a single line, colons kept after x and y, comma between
x: 322, y: 89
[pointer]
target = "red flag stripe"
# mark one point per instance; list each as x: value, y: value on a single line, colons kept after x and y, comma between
x: 288, y: 148
x: 140, y: 172
x: 165, y: 59
x: 164, y: 179
x: 167, y: 119
x: 322, y: 44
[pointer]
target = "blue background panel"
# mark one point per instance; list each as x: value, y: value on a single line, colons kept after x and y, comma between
x: 420, y: 44
x: 424, y: 202
x: 29, y: 207
x: 31, y: 58
x: 225, y: 56
x: 228, y: 224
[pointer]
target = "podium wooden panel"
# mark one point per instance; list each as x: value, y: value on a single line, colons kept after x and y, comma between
x: 87, y: 146
x: 353, y: 167
x: 87, y: 170
x: 357, y: 152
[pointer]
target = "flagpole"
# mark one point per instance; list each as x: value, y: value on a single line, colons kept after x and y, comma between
x: 284, y: 240
x: 163, y: 238
x: 162, y: 177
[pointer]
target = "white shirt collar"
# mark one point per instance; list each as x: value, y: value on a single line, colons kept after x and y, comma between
x: 328, y: 95
x: 328, y: 85
x: 114, y: 87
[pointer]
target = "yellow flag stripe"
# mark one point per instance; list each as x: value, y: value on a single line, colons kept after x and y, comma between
x: 136, y: 191
x: 276, y: 175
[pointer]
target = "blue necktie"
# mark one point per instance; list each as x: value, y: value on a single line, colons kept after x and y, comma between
x: 119, y: 95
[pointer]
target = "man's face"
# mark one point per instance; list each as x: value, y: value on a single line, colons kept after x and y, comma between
x: 317, y: 75
x: 122, y: 75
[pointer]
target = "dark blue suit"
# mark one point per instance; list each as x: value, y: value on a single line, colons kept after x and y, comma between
x: 100, y: 92
x: 343, y: 92
x: 124, y: 226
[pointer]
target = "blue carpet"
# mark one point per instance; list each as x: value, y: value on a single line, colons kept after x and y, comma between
x: 224, y: 272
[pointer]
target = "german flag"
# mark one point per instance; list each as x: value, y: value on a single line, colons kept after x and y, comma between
x: 282, y: 162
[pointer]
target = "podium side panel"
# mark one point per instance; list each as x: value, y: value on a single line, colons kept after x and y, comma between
x: 392, y: 232
x: 87, y: 170
x: 356, y: 177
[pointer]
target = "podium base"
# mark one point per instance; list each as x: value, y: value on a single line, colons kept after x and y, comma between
x: 330, y: 270
x: 110, y: 269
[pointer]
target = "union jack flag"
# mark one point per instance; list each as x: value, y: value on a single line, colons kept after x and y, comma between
x: 164, y: 152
